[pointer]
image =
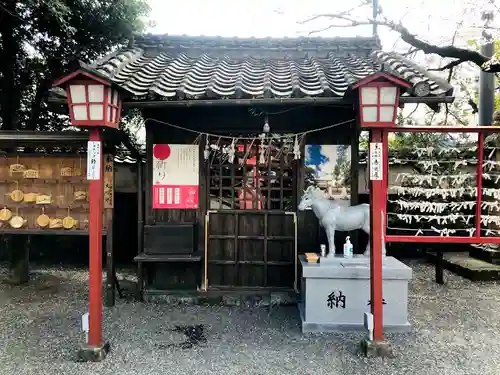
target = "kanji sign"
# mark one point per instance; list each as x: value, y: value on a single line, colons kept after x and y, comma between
x: 336, y: 299
x: 93, y: 160
x: 108, y: 181
x: 175, y: 176
x: 376, y: 161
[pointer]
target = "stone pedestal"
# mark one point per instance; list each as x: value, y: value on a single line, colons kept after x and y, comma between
x: 90, y: 353
x: 336, y: 294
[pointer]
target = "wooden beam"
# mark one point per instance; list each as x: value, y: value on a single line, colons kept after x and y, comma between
x: 355, y: 133
x: 270, y: 101
x: 149, y: 214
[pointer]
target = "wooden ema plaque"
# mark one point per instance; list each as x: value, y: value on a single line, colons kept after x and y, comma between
x: 49, y: 193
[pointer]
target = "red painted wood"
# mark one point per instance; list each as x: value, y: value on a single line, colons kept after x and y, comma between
x: 479, y: 182
x: 441, y: 239
x: 96, y: 193
x: 81, y: 74
x: 376, y: 193
x: 443, y: 129
x: 388, y: 78
x: 385, y: 183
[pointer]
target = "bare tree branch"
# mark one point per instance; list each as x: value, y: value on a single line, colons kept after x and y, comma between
x: 447, y: 113
x: 459, y: 120
x: 410, y: 52
x: 450, y: 66
x: 460, y: 54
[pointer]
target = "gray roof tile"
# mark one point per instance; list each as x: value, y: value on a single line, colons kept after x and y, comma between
x: 183, y: 67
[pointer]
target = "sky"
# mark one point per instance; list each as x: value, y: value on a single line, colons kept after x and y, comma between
x: 436, y: 21
x: 431, y: 19
x: 325, y: 169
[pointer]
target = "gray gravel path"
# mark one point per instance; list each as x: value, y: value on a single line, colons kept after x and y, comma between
x: 456, y: 331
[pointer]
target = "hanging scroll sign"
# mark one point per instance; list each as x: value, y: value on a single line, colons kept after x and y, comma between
x: 376, y: 162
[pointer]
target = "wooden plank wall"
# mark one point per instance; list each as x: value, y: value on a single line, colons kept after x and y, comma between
x: 174, y: 275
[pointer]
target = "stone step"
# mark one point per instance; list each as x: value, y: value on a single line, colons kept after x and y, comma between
x: 471, y: 268
x: 485, y: 253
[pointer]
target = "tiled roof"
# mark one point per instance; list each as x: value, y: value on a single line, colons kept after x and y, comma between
x: 166, y: 67
x: 127, y: 159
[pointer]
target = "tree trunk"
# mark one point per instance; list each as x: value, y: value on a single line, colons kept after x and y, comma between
x: 36, y: 107
x: 9, y: 102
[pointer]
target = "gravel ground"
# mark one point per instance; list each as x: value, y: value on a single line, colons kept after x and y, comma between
x: 456, y: 331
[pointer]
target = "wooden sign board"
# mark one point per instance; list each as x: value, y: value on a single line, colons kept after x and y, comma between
x: 108, y: 181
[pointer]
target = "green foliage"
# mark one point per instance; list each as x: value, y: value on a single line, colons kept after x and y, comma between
x: 41, y: 40
x: 398, y: 142
x: 474, y: 44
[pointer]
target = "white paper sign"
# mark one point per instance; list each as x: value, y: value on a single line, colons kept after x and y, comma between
x: 85, y: 326
x: 93, y: 160
x: 85, y: 322
x: 181, y: 167
x: 376, y: 162
x: 175, y: 176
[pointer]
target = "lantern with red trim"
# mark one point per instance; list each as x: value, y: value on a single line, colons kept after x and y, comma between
x: 379, y: 99
x: 92, y: 100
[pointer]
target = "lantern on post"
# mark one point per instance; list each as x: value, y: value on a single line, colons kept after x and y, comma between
x: 94, y: 103
x: 92, y: 100
x: 378, y: 103
x: 379, y: 99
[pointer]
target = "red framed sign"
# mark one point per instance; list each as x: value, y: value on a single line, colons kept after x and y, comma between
x: 176, y: 176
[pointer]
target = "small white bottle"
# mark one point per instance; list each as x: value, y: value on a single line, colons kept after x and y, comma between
x: 348, y: 248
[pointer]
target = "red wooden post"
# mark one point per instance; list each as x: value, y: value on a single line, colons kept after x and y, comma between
x: 96, y: 191
x: 479, y: 176
x: 376, y: 202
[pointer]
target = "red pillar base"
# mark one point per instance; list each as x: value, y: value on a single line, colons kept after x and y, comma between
x: 92, y: 353
x: 380, y: 348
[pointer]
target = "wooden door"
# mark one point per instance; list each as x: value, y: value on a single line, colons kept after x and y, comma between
x: 251, y: 249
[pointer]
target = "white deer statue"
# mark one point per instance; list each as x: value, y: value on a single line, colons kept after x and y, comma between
x: 333, y: 216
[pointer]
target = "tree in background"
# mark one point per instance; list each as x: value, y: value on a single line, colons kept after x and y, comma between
x: 40, y: 40
x: 342, y: 169
x: 472, y: 16
x: 441, y: 40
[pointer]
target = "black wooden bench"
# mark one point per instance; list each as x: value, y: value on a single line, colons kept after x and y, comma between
x: 436, y: 256
x: 166, y: 243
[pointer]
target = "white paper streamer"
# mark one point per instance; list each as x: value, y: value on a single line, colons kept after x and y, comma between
x: 439, y: 219
x: 442, y: 192
x: 490, y: 164
x: 231, y: 151
x: 437, y: 207
x: 448, y: 186
x: 296, y: 148
x: 430, y: 179
x: 458, y: 162
x: 492, y: 177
